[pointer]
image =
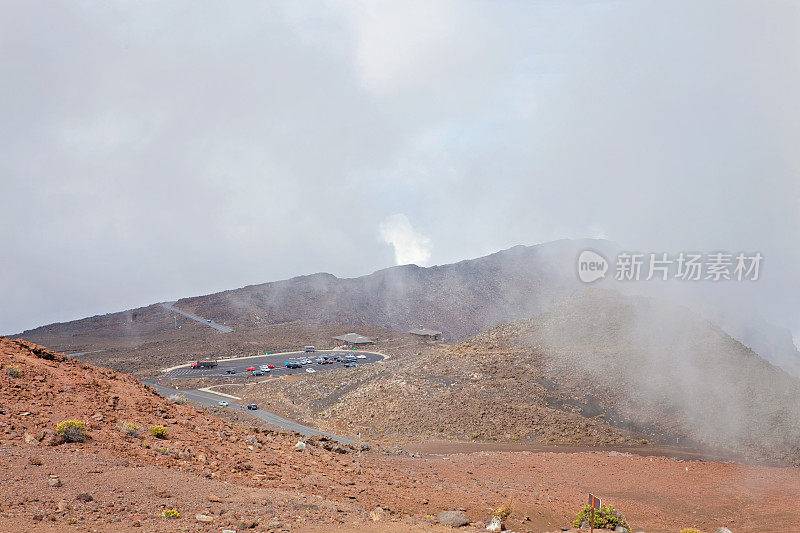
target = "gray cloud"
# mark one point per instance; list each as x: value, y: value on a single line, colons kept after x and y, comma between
x: 156, y: 151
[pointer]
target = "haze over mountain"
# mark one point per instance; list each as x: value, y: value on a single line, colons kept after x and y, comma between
x: 460, y: 299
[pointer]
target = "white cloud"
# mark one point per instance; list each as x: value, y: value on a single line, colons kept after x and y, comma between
x: 410, y: 247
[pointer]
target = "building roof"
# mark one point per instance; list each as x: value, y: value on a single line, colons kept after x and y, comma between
x: 354, y: 338
x: 424, y: 331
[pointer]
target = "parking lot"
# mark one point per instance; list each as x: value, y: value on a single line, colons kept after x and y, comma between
x: 240, y: 365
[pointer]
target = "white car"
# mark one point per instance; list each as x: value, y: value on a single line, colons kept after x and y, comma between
x: 222, y: 403
x: 361, y: 356
x: 264, y: 368
x: 310, y: 370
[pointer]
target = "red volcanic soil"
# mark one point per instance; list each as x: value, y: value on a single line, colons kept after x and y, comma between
x: 241, y: 478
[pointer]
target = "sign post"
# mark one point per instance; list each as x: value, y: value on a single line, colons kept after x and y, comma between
x: 595, y: 503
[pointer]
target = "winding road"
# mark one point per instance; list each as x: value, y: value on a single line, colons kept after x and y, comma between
x: 240, y: 365
x: 213, y: 399
x: 170, y: 306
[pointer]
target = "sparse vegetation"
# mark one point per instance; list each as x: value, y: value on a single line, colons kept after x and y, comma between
x: 179, y: 399
x: 503, y: 512
x: 159, y: 432
x: 170, y: 513
x: 691, y: 530
x: 604, y: 518
x: 14, y: 371
x: 129, y: 428
x: 72, y: 430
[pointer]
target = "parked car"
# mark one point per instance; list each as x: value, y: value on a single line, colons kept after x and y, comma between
x: 310, y: 370
x: 319, y: 361
x: 266, y: 368
x: 230, y: 371
x: 361, y: 356
x: 258, y: 373
x: 222, y: 403
x: 351, y: 364
x: 349, y: 357
x: 250, y: 368
x: 306, y: 362
x: 328, y: 362
x: 252, y: 407
x: 292, y: 364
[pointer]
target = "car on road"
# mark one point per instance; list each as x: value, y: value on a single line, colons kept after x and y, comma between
x: 252, y: 407
x: 306, y: 362
x: 351, y: 364
x: 266, y: 368
x: 230, y: 371
x: 349, y: 357
x: 292, y: 364
x: 222, y: 403
x: 258, y: 373
x: 208, y: 320
x: 251, y: 368
x: 310, y: 370
x: 319, y: 361
x: 361, y: 356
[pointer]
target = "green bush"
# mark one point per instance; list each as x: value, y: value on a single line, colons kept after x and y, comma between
x: 129, y: 428
x: 170, y: 513
x: 72, y: 430
x: 604, y: 518
x: 159, y: 432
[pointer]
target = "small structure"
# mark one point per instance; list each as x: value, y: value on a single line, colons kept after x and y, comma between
x: 354, y: 339
x: 425, y: 334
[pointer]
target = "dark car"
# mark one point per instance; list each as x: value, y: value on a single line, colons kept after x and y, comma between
x: 258, y: 373
x: 351, y: 364
x: 252, y: 407
x: 230, y: 371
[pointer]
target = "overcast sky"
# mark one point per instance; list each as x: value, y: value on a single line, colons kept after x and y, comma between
x: 155, y: 150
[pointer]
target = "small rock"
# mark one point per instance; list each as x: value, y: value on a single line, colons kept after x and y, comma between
x: 424, y: 501
x: 214, y: 498
x: 35, y: 460
x: 62, y: 506
x: 300, y: 446
x: 203, y: 518
x: 723, y: 530
x: 247, y: 524
x: 452, y: 518
x: 84, y: 497
x: 495, y: 526
x: 30, y: 439
x: 620, y: 529
x: 54, y: 482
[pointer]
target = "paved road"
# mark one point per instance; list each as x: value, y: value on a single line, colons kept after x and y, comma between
x: 241, y: 365
x: 209, y: 398
x: 170, y: 306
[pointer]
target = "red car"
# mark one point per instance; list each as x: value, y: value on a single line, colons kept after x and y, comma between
x: 270, y: 366
x: 251, y: 369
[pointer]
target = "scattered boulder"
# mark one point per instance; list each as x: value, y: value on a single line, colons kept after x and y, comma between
x: 84, y: 497
x: 300, y: 446
x: 723, y: 530
x: 203, y: 518
x: 453, y: 518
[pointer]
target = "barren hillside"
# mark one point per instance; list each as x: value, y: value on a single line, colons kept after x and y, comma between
x: 598, y: 368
